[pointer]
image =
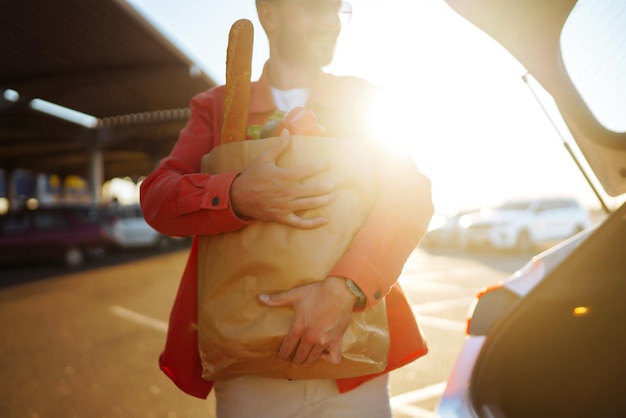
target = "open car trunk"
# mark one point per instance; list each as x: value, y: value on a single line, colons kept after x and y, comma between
x: 526, y: 369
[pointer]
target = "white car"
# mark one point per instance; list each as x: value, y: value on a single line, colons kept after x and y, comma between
x: 549, y: 341
x: 524, y: 224
x: 129, y: 229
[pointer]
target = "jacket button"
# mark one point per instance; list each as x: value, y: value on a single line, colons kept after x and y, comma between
x: 215, y: 201
x: 377, y: 295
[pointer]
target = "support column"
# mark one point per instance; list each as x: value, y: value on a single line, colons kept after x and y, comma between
x: 96, y: 174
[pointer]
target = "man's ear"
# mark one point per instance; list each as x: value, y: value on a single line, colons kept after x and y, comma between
x: 267, y: 16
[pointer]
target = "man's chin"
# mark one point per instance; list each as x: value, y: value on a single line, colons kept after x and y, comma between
x: 323, y: 56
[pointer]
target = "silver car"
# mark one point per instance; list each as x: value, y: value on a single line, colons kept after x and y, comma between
x: 524, y: 224
x: 129, y: 229
x: 550, y: 340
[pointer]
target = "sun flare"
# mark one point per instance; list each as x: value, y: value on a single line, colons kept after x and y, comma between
x: 389, y: 117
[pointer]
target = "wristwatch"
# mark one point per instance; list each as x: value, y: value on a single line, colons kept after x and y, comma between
x: 354, y: 289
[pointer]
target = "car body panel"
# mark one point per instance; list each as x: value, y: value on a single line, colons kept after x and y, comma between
x: 456, y: 401
x: 48, y: 233
x: 132, y: 230
x: 446, y: 235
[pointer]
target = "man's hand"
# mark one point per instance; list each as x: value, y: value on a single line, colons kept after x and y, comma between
x: 266, y: 192
x: 321, y: 316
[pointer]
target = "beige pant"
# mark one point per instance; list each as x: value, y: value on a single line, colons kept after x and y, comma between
x: 255, y: 397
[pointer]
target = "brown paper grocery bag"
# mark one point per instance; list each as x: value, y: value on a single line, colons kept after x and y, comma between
x: 237, y: 334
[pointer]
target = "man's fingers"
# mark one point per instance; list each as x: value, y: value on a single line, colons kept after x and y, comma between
x: 301, y: 354
x: 315, y: 353
x: 276, y: 299
x: 304, y: 223
x: 293, y: 219
x: 332, y: 354
x: 299, y: 172
x: 303, y: 171
x: 281, y: 146
x: 313, y: 202
x: 316, y: 188
x: 289, y: 345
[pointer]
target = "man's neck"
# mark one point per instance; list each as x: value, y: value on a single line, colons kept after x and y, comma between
x: 285, y: 76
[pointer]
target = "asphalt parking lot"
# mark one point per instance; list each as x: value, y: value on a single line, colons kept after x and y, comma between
x: 85, y: 343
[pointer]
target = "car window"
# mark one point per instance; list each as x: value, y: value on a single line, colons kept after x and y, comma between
x: 49, y: 221
x: 515, y: 206
x: 129, y: 212
x: 137, y: 212
x: 566, y: 204
x: 88, y: 214
x: 557, y: 204
x: 125, y: 212
x: 593, y: 47
x: 16, y: 223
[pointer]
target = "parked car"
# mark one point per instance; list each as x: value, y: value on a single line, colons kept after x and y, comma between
x: 523, y: 224
x: 71, y: 234
x: 129, y: 229
x: 447, y: 234
x: 550, y: 341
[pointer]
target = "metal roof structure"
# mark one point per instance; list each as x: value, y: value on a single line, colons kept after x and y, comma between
x: 101, y: 58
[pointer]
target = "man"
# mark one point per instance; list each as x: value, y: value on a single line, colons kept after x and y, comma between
x: 179, y: 200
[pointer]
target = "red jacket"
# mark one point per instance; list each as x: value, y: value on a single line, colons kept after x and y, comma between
x: 179, y: 200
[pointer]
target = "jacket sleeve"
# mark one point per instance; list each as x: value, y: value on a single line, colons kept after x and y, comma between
x: 176, y: 198
x: 395, y: 226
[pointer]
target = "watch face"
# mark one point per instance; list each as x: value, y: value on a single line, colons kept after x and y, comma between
x: 354, y: 289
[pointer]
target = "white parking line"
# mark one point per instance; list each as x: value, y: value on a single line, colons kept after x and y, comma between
x: 415, y: 411
x: 448, y: 289
x: 404, y: 403
x: 442, y: 305
x: 445, y: 324
x: 138, y: 318
x: 436, y: 273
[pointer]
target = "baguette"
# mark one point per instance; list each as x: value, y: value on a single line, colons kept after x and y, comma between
x: 238, y: 71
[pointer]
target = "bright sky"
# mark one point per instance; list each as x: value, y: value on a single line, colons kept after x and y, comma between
x: 473, y: 125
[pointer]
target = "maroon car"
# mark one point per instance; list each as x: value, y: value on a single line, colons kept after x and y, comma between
x: 71, y: 234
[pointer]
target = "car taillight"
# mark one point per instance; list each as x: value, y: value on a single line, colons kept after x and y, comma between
x: 104, y: 233
x: 490, y: 305
x: 107, y: 228
x: 483, y: 291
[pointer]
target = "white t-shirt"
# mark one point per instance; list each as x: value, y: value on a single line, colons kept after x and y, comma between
x: 286, y: 100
